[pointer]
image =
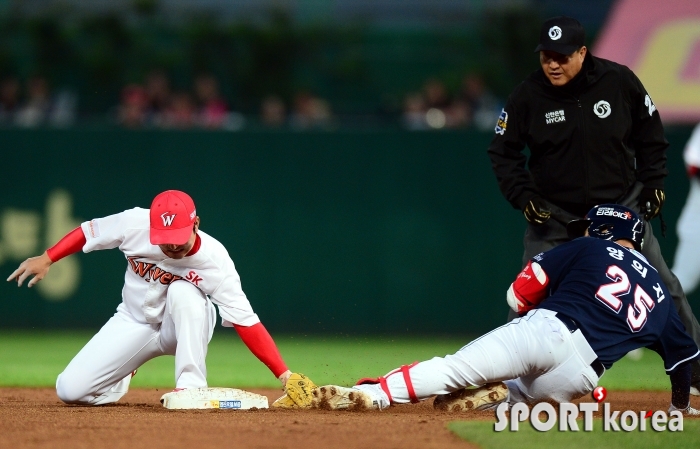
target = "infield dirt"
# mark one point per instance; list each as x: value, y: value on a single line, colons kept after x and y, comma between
x: 35, y: 418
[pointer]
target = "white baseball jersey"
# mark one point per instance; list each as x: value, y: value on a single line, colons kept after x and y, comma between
x: 686, y: 264
x: 149, y: 271
x: 691, y: 153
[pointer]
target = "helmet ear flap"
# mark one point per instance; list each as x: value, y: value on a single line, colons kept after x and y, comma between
x: 577, y: 228
x: 604, y: 231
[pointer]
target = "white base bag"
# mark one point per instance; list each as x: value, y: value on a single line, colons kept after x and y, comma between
x: 221, y: 398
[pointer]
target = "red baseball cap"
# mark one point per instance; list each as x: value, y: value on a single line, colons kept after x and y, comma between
x: 172, y: 218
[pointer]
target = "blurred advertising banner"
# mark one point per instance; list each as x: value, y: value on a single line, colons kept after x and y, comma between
x: 407, y: 230
x: 660, y: 42
x: 26, y: 233
x: 378, y: 223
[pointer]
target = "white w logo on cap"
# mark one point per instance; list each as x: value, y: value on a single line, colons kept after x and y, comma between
x: 167, y: 219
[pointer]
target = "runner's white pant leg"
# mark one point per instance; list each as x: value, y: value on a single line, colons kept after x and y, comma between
x: 570, y: 378
x: 686, y: 263
x: 535, y: 344
x: 100, y: 373
x: 187, y: 328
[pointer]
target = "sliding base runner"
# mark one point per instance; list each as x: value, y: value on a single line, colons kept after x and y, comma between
x: 222, y: 398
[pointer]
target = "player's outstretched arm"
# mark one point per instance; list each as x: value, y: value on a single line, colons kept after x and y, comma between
x: 297, y: 387
x: 37, y: 266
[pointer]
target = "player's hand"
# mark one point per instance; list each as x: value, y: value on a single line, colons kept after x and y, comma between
x: 650, y: 202
x: 536, y: 211
x: 37, y: 266
x: 284, y: 377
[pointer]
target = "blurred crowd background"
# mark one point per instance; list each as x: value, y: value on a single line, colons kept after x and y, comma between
x: 272, y: 64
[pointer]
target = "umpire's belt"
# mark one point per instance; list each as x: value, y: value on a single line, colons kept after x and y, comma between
x: 596, y: 364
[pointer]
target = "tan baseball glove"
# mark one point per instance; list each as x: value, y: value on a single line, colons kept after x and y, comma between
x: 297, y: 392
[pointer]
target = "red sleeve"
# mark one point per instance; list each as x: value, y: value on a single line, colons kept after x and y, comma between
x: 262, y: 346
x: 70, y: 244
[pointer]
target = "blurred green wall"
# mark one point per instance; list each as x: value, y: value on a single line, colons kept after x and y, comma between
x: 344, y: 232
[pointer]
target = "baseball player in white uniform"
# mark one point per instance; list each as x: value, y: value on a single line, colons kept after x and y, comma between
x: 686, y: 264
x: 175, y: 273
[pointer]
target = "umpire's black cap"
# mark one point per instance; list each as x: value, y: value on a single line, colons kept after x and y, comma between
x: 561, y: 34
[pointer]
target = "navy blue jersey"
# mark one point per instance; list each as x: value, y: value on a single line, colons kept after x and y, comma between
x: 617, y: 299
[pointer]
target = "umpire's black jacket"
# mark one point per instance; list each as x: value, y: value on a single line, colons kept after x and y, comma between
x: 589, y: 140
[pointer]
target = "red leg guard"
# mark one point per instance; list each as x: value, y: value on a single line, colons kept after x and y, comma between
x: 377, y: 380
x: 385, y: 387
x: 382, y: 382
x: 409, y: 383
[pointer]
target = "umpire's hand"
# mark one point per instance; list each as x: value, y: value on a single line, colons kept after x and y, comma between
x: 536, y: 211
x: 650, y: 202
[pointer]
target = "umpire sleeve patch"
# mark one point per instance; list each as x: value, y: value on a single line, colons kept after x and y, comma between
x: 502, y: 123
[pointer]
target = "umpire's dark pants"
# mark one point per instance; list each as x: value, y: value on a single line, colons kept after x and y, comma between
x: 540, y: 238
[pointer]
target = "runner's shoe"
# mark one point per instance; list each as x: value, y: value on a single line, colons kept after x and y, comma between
x: 485, y: 397
x: 334, y: 397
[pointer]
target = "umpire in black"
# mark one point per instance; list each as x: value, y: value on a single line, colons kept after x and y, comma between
x: 594, y: 136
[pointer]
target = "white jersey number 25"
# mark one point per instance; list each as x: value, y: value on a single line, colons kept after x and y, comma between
x: 609, y: 294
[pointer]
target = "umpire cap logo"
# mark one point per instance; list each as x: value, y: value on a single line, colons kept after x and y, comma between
x: 555, y: 33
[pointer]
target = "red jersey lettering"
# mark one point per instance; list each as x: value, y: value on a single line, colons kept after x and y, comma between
x: 149, y: 271
x: 194, y: 278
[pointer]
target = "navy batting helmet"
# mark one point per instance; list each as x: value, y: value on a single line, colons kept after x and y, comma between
x: 610, y: 222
